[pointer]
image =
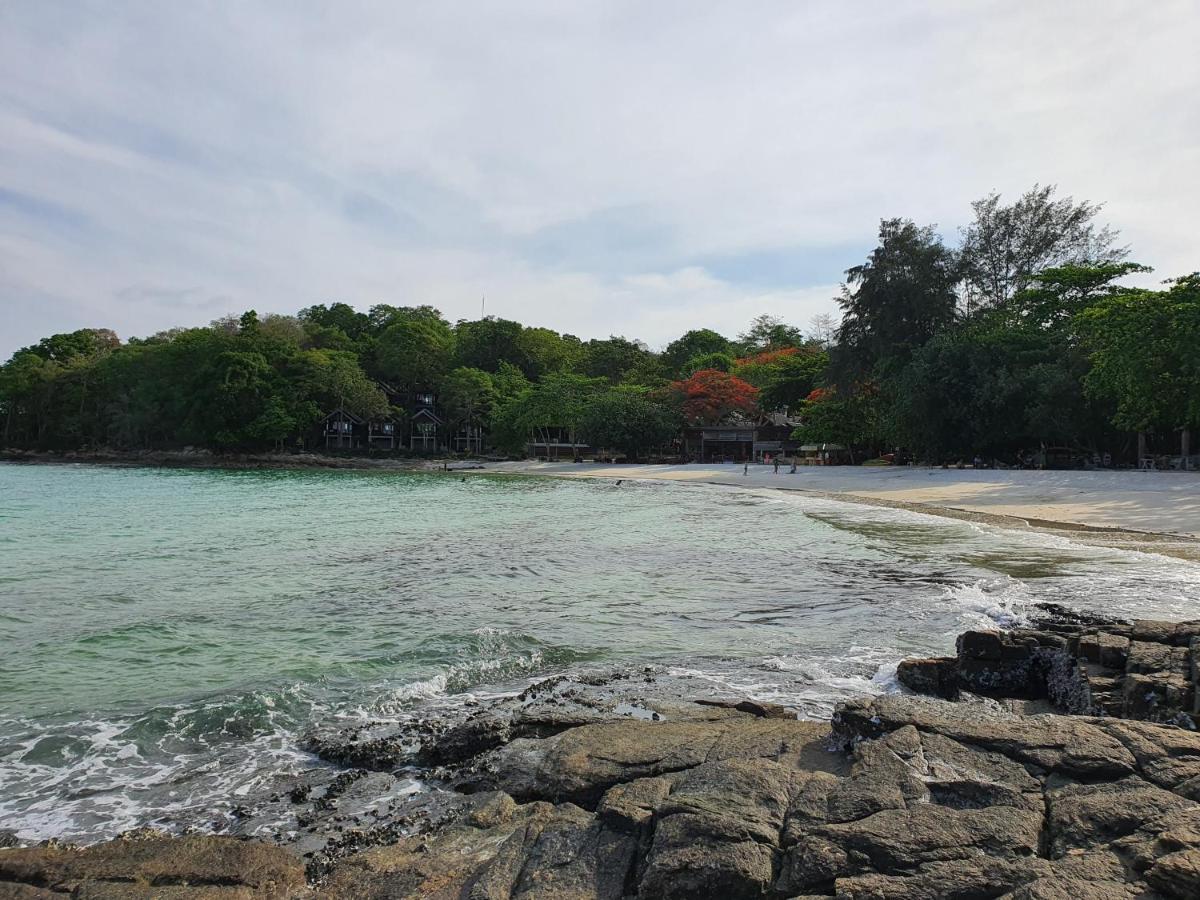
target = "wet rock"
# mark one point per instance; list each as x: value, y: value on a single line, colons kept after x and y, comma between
x: 1085, y: 665
x: 583, y: 791
x: 937, y: 676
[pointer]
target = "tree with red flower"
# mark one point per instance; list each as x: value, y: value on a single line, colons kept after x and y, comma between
x: 710, y: 396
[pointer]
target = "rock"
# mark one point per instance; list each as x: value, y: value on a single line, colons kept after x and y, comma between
x: 579, y: 765
x: 577, y: 789
x: 1081, y: 816
x: 753, y: 707
x: 1083, y: 664
x: 937, y: 676
x: 1070, y: 745
x: 155, y: 865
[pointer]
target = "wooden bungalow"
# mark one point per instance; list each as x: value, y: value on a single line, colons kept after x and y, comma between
x: 342, y: 430
x: 468, y: 439
x: 382, y: 434
x: 425, y: 431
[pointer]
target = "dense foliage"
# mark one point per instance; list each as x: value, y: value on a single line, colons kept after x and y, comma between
x: 1022, y: 336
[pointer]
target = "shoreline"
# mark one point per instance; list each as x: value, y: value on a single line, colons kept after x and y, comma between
x: 1037, y: 762
x: 869, y: 487
x: 1151, y: 512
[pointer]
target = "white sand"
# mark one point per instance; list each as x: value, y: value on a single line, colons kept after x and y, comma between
x: 1159, y: 502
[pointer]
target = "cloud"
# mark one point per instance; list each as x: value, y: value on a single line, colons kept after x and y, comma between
x: 594, y: 167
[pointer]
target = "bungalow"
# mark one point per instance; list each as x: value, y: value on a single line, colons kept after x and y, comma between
x: 342, y: 430
x: 425, y: 425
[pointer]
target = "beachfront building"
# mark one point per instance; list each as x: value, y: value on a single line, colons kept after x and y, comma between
x: 425, y: 433
x: 341, y: 430
x: 382, y: 435
x: 740, y: 441
x: 553, y: 442
x: 822, y: 455
x: 468, y: 439
x: 720, y: 443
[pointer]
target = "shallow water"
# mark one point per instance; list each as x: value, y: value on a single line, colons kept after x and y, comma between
x: 168, y: 634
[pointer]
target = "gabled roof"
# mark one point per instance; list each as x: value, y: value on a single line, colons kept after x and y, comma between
x: 339, y: 411
x: 427, y: 413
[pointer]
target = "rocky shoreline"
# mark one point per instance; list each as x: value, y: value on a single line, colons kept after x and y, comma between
x: 1055, y: 761
x: 195, y: 458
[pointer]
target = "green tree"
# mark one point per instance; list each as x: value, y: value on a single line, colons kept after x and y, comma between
x: 1006, y: 246
x: 894, y: 302
x: 694, y: 343
x: 784, y: 378
x: 416, y: 350
x: 720, y: 362
x: 769, y: 333
x: 1145, y: 354
x: 629, y: 420
x: 544, y: 351
x: 612, y: 358
x: 469, y: 398
x: 854, y: 421
x: 485, y: 343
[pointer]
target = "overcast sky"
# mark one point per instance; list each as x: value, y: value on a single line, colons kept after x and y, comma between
x: 629, y: 168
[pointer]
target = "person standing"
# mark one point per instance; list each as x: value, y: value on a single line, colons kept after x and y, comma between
x: 746, y: 468
x: 777, y: 465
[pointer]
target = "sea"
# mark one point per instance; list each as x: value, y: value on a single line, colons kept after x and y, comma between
x: 168, y: 636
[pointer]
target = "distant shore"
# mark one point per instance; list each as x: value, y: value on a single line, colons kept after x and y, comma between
x: 1155, y: 512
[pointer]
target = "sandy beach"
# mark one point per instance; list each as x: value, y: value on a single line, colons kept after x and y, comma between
x: 1152, y: 510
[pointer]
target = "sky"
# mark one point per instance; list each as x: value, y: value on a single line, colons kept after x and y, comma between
x: 598, y: 168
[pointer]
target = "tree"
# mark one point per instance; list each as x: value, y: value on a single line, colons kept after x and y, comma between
x: 629, y: 420
x: 894, y: 302
x: 1006, y: 246
x: 544, y: 351
x: 784, y: 377
x: 1145, y: 354
x: 612, y: 358
x: 333, y: 379
x: 695, y: 343
x: 468, y: 397
x: 345, y: 318
x: 769, y: 333
x: 709, y: 397
x: 721, y: 362
x: 557, y: 402
x: 416, y: 350
x: 485, y: 343
x: 851, y: 421
x: 822, y: 327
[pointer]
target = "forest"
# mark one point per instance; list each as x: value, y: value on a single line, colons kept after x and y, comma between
x: 1021, y: 333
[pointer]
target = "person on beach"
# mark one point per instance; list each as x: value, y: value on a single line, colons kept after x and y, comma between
x: 746, y: 468
x: 777, y: 465
x: 792, y: 471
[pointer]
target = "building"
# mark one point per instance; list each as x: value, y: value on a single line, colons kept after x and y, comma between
x: 555, y: 443
x: 341, y: 430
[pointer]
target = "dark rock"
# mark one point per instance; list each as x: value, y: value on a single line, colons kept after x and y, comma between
x: 937, y: 677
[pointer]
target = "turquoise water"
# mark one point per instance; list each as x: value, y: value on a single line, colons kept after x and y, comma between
x: 169, y: 634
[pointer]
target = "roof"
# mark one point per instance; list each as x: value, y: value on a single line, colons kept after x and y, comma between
x: 427, y: 413
x: 344, y: 414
